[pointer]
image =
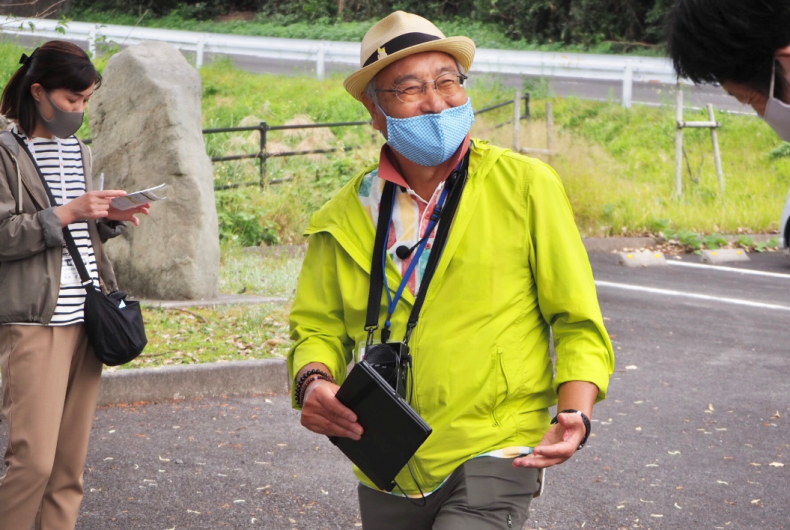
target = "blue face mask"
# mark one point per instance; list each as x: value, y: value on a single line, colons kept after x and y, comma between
x: 430, y: 139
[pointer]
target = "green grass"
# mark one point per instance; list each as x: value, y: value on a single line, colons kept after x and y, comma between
x: 485, y: 35
x: 228, y: 333
x: 202, y: 335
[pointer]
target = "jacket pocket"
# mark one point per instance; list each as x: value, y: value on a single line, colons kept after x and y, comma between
x: 501, y: 385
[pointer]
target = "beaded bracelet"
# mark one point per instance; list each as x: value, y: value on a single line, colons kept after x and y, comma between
x: 302, y: 384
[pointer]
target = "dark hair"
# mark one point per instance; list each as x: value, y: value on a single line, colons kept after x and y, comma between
x: 713, y: 41
x: 56, y: 64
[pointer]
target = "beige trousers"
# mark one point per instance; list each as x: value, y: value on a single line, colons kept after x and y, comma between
x: 50, y: 386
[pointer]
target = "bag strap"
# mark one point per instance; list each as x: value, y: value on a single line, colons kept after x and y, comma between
x: 457, y: 181
x: 71, y: 245
x: 377, y: 266
x: 439, y: 243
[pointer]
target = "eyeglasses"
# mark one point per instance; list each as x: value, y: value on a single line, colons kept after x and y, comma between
x: 447, y: 85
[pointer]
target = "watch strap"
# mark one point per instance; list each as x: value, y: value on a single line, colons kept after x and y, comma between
x: 585, y: 419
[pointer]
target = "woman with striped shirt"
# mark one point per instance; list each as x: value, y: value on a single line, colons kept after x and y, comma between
x: 50, y: 376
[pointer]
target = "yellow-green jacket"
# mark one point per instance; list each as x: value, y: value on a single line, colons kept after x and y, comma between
x: 514, y: 269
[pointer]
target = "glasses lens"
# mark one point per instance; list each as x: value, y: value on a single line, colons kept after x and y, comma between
x: 409, y: 93
x: 449, y: 84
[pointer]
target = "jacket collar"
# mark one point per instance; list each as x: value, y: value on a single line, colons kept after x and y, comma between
x: 346, y: 220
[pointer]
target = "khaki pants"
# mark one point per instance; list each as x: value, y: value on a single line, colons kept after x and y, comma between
x: 50, y: 386
x: 484, y: 493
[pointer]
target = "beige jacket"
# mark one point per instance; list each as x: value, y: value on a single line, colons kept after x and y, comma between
x: 31, y: 238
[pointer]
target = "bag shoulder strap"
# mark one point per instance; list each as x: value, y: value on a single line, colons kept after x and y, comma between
x: 71, y: 245
x: 458, y: 181
x: 377, y: 266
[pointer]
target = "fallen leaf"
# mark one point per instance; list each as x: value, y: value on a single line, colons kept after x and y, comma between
x: 164, y: 459
x: 722, y: 482
x: 756, y: 501
x: 673, y: 452
x: 631, y: 367
x: 657, y: 515
x: 776, y: 464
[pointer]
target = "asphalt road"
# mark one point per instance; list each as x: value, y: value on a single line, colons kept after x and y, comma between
x: 694, y: 433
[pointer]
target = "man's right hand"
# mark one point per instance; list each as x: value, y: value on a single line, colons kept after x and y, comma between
x: 91, y: 205
x: 322, y: 413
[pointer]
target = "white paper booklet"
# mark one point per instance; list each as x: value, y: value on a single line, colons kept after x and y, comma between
x: 137, y: 198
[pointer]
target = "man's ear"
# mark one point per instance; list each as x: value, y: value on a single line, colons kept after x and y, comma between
x: 378, y: 119
x: 782, y: 52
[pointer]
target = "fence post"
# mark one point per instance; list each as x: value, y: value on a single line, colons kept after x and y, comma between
x: 516, y: 120
x: 628, y: 85
x: 264, y: 127
x: 679, y: 144
x: 201, y: 46
x: 716, y: 154
x: 92, y: 42
x: 526, y: 105
x: 319, y: 66
x: 550, y: 126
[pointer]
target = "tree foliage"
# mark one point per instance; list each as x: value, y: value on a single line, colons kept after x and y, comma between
x: 586, y: 22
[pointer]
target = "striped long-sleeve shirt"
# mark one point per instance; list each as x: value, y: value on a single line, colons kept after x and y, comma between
x: 60, y: 161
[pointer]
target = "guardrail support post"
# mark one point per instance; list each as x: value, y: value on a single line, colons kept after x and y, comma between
x: 628, y: 85
x: 516, y: 120
x: 201, y: 47
x: 679, y: 144
x: 319, y: 64
x: 92, y: 42
x: 264, y: 127
x: 716, y: 154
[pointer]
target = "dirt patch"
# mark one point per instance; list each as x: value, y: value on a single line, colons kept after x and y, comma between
x: 237, y: 15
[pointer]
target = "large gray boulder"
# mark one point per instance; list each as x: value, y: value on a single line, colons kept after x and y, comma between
x: 146, y: 123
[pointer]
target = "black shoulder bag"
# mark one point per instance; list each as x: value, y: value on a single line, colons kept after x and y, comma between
x: 114, y: 325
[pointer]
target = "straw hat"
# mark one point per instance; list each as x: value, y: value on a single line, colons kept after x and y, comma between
x: 397, y: 36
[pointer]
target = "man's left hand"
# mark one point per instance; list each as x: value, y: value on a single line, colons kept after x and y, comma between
x: 557, y: 445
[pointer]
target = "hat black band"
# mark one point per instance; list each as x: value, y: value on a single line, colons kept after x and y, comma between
x: 401, y: 42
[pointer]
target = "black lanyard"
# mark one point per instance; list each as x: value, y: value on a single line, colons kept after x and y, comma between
x: 457, y: 182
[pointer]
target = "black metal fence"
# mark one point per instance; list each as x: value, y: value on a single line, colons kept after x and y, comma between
x: 263, y: 128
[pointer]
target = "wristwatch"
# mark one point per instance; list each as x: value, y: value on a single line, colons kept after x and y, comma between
x: 585, y: 419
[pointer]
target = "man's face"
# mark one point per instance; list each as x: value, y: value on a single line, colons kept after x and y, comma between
x: 747, y: 96
x: 413, y: 70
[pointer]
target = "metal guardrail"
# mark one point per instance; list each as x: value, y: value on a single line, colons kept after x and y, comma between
x: 628, y: 69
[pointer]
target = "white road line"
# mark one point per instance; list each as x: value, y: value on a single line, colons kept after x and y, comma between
x: 667, y: 292
x: 729, y: 269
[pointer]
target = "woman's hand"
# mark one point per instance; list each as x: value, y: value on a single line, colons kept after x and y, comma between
x: 91, y: 205
x: 128, y: 215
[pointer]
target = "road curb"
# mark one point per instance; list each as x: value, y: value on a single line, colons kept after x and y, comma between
x: 616, y: 244
x: 195, y: 381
